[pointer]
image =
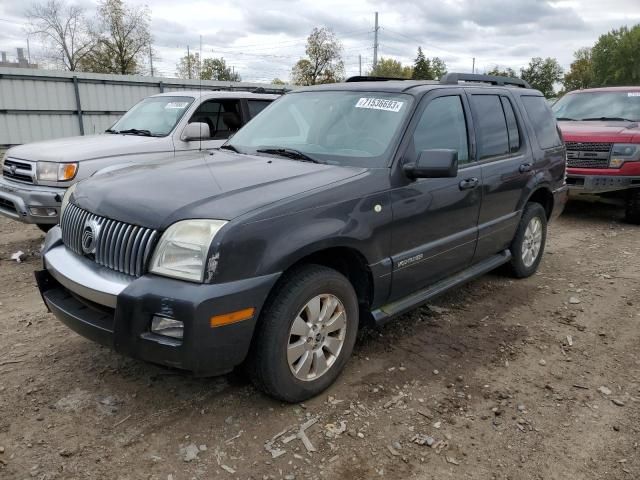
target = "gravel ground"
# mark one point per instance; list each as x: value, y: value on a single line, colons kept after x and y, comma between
x: 531, y: 379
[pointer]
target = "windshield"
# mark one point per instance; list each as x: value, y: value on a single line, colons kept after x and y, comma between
x: 156, y: 115
x: 597, y: 105
x: 340, y: 128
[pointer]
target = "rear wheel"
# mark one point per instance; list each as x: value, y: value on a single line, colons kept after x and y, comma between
x: 45, y: 227
x: 528, y: 244
x: 632, y: 214
x: 305, y: 335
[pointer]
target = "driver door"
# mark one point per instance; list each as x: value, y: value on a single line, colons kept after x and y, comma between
x: 435, y: 228
x: 224, y: 118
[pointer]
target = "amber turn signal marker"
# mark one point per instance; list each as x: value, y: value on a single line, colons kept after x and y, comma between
x: 233, y: 317
x: 68, y: 171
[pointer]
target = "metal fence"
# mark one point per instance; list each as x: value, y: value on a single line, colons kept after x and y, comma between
x: 43, y: 104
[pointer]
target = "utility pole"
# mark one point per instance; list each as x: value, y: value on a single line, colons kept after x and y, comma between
x: 473, y: 67
x: 375, y: 42
x: 188, y: 63
x: 151, y: 59
x: 360, y: 64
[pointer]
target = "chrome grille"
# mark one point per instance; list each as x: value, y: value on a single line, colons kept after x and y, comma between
x: 588, y: 154
x: 120, y: 246
x: 18, y: 170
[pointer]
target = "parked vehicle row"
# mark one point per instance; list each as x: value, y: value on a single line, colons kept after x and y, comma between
x: 336, y: 206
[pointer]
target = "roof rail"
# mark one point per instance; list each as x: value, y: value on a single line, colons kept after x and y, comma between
x: 365, y: 78
x: 454, y: 78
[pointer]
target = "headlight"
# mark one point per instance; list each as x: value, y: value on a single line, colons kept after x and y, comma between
x: 183, y: 248
x: 65, y: 199
x: 4, y: 157
x: 624, y: 152
x: 56, y: 172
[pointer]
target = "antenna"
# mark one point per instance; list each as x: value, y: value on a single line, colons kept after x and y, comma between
x: 200, y: 100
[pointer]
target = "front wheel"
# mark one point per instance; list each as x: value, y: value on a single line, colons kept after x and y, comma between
x: 305, y: 334
x: 528, y: 244
x: 633, y: 207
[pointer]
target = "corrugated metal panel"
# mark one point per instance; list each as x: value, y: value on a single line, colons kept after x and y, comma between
x: 41, y: 104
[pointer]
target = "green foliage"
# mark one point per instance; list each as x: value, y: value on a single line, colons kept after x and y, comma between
x: 438, y: 68
x: 580, y: 74
x: 324, y: 60
x: 542, y: 74
x: 189, y: 66
x: 277, y: 81
x: 422, y: 67
x: 616, y: 57
x: 507, y: 72
x: 388, y: 67
x: 216, y: 69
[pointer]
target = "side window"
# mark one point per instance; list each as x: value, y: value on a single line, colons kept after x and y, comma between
x: 491, y: 126
x: 256, y: 106
x: 222, y: 116
x: 443, y: 125
x: 541, y: 117
x: 512, y: 125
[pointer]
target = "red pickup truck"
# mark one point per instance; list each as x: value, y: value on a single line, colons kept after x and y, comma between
x: 601, y: 129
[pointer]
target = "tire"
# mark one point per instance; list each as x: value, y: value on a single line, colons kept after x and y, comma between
x: 275, y: 345
x: 632, y: 212
x: 523, y: 265
x: 45, y: 227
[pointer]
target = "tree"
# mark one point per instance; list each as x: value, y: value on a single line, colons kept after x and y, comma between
x: 616, y: 57
x: 507, y: 72
x: 542, y: 74
x: 580, y: 74
x: 216, y: 69
x: 64, y: 30
x: 324, y: 60
x: 388, y: 67
x: 122, y: 39
x: 438, y: 68
x: 277, y: 81
x: 422, y: 67
x: 189, y: 66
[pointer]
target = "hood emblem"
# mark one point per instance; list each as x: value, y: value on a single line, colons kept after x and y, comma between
x: 90, y: 234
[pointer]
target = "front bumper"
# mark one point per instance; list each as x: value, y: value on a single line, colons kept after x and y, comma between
x: 18, y: 201
x: 593, y: 184
x: 116, y: 310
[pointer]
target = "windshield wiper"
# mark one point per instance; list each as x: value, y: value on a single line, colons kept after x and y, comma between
x: 610, y: 119
x: 565, y: 119
x: 230, y: 147
x: 135, y: 131
x: 288, y: 153
x: 111, y: 130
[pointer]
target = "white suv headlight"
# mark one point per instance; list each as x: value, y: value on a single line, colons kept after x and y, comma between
x: 183, y: 249
x: 56, y: 172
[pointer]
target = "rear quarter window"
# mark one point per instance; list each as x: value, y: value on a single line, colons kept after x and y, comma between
x: 542, y: 121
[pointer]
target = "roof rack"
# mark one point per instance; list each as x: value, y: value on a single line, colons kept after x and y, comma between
x: 365, y: 78
x: 454, y: 78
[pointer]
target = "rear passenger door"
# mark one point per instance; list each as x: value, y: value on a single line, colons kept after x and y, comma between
x: 435, y: 219
x: 507, y: 168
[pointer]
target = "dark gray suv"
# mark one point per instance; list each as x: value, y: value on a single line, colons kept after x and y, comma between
x: 337, y: 205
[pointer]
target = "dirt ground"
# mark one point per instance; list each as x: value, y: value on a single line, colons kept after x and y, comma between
x: 531, y: 379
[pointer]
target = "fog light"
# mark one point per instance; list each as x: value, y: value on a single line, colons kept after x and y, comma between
x: 167, y: 327
x: 43, y: 212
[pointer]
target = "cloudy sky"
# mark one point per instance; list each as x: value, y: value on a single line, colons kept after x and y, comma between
x: 263, y: 39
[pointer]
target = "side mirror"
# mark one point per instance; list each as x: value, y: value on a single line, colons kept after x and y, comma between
x: 196, y: 131
x: 439, y: 163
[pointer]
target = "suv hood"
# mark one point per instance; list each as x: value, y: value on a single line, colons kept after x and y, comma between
x: 217, y: 185
x: 90, y: 147
x: 595, y: 131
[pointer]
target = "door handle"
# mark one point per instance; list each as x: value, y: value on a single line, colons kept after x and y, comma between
x: 525, y: 167
x: 468, y: 183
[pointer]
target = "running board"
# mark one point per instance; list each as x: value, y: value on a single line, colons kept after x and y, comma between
x: 385, y: 313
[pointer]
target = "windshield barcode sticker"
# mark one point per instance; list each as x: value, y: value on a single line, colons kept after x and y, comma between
x: 177, y: 105
x: 380, y: 104
x: 633, y: 94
